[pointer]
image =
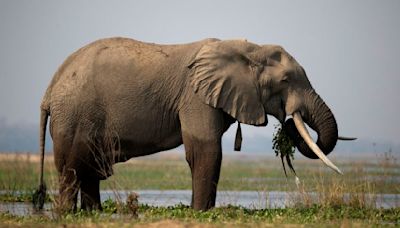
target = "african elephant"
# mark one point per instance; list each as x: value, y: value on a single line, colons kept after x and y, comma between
x: 119, y: 98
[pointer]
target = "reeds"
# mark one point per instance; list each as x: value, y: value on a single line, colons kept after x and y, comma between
x: 360, y: 187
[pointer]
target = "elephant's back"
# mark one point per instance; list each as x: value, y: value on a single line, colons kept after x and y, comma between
x: 118, y: 58
x: 82, y: 62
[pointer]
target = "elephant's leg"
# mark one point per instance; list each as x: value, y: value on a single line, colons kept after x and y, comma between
x: 91, y: 163
x: 202, y: 127
x: 204, y: 159
x: 69, y: 187
x: 67, y: 175
x: 90, y: 194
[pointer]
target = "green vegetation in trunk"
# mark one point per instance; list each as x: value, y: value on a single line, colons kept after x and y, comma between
x: 282, y: 144
x: 283, y: 147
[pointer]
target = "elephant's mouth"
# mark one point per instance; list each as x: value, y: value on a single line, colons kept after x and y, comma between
x: 282, y: 118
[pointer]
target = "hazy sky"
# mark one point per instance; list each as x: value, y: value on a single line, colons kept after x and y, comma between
x: 350, y: 49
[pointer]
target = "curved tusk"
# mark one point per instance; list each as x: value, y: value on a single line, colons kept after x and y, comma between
x: 298, y: 121
x: 346, y: 138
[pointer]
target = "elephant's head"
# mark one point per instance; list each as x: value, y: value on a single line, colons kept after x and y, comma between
x: 249, y: 81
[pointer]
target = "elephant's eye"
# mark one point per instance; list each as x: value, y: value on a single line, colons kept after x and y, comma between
x: 285, y: 79
x: 287, y: 76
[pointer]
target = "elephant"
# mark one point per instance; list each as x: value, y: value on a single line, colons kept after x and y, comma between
x: 119, y: 98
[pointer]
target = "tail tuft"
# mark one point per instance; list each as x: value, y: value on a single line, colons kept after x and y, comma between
x: 39, y: 197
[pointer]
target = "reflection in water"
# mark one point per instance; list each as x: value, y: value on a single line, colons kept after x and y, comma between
x: 248, y: 199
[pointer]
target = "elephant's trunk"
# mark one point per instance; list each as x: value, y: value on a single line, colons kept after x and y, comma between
x: 319, y: 117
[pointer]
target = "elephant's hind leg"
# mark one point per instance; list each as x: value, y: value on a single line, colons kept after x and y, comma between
x: 69, y: 187
x: 90, y: 194
x: 93, y: 166
x: 67, y: 174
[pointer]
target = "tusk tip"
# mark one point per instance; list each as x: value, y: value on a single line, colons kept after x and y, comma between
x: 340, y: 172
x: 346, y: 138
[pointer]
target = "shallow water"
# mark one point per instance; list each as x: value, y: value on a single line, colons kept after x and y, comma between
x: 248, y: 199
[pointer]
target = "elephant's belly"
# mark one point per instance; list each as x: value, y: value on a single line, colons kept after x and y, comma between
x: 141, y: 143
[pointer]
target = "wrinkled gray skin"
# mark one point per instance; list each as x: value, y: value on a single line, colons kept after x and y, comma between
x: 118, y: 98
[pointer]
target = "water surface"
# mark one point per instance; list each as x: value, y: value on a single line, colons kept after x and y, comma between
x: 247, y: 199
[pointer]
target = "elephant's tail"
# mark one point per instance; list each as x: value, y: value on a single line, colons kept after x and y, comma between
x: 40, y: 194
x: 44, y: 115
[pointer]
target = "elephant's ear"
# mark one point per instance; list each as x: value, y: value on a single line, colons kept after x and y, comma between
x: 224, y: 77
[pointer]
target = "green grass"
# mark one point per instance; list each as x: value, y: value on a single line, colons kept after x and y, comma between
x: 230, y: 215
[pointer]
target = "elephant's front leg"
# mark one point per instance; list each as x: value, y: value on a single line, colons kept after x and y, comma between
x: 204, y: 158
x: 202, y: 128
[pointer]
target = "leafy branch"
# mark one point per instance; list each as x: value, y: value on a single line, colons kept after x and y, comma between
x: 284, y: 146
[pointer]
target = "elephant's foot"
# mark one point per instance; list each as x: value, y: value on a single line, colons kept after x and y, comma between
x: 69, y: 187
x: 90, y: 194
x: 204, y: 159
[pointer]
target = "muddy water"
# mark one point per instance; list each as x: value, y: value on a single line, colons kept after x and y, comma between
x: 248, y: 199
